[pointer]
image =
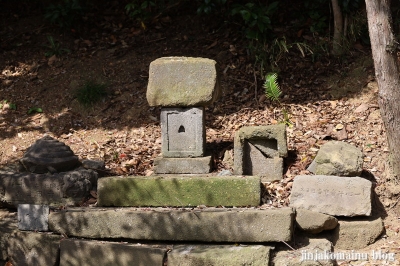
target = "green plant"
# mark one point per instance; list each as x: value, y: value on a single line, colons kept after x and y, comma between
x: 33, y: 110
x: 210, y: 6
x: 55, y: 48
x: 90, y: 93
x: 256, y: 19
x: 273, y: 92
x: 140, y: 11
x: 65, y: 14
x: 11, y: 106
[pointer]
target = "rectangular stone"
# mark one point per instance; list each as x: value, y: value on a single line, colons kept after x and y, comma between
x: 183, y: 132
x: 29, y: 248
x: 196, y: 165
x: 33, y: 217
x: 8, y: 224
x: 167, y: 224
x: 334, y: 195
x: 182, y: 81
x: 95, y: 253
x: 67, y: 188
x: 268, y: 141
x: 178, y: 190
x: 219, y: 255
x: 257, y: 163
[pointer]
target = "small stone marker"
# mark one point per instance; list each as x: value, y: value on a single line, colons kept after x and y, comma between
x: 182, y: 82
x: 258, y: 150
x: 341, y: 196
x: 33, y: 217
x: 183, y: 132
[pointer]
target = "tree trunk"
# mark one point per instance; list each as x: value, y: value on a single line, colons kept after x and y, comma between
x: 337, y: 29
x: 384, y: 51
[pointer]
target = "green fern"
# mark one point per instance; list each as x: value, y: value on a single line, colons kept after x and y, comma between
x: 271, y: 86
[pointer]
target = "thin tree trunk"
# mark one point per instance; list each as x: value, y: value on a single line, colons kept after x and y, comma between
x: 337, y: 29
x: 384, y: 47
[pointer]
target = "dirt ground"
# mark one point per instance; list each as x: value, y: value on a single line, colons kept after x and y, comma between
x: 326, y: 98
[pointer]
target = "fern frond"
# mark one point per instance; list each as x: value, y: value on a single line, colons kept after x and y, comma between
x: 271, y: 86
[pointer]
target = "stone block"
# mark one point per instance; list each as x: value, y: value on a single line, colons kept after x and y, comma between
x: 357, y: 233
x: 29, y: 248
x: 183, y: 132
x: 167, y: 224
x: 8, y: 224
x: 33, y: 217
x: 67, y: 188
x: 256, y: 163
x: 314, y: 222
x: 196, y: 165
x: 262, y: 142
x: 95, y: 253
x: 337, y: 158
x: 333, y: 195
x: 219, y: 255
x: 179, y: 191
x: 182, y: 81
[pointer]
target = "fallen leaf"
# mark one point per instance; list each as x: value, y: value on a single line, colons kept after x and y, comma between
x: 362, y: 108
x: 339, y: 127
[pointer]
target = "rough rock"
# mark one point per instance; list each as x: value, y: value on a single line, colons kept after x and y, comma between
x: 8, y: 224
x: 333, y: 195
x: 196, y: 165
x: 357, y: 233
x: 182, y: 81
x: 337, y: 158
x: 219, y: 255
x: 314, y: 222
x: 49, y: 155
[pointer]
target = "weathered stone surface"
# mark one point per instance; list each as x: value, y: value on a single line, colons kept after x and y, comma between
x: 183, y: 132
x: 49, y: 155
x: 269, y: 140
x: 337, y: 158
x: 314, y: 222
x: 182, y: 81
x: 256, y: 163
x: 219, y: 255
x: 333, y: 195
x: 95, y: 253
x: 357, y: 233
x: 94, y: 165
x: 205, y: 225
x: 67, y: 188
x: 306, y: 255
x: 8, y: 224
x: 29, y: 248
x: 178, y: 190
x: 196, y: 165
x: 33, y: 217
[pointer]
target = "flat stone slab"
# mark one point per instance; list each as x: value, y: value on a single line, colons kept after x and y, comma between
x: 353, y: 234
x: 333, y: 195
x: 179, y: 191
x: 29, y: 248
x: 219, y: 255
x: 197, y: 165
x: 67, y: 188
x: 183, y: 132
x: 253, y: 143
x: 182, y: 81
x: 33, y: 217
x: 97, y: 253
x: 204, y: 225
x: 8, y: 224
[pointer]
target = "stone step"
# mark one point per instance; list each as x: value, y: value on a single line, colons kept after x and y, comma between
x: 177, y: 190
x: 168, y: 224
